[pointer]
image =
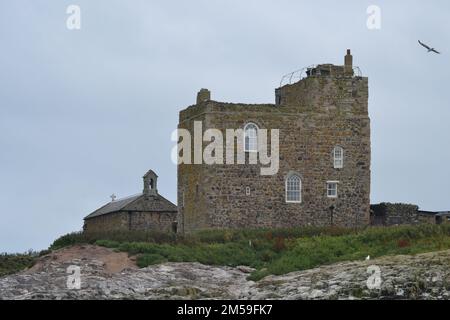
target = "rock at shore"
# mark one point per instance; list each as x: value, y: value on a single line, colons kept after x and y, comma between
x: 106, y: 274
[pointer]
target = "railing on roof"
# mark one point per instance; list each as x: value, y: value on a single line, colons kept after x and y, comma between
x: 300, y: 74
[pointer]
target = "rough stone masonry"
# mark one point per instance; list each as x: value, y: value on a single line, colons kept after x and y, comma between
x: 325, y: 111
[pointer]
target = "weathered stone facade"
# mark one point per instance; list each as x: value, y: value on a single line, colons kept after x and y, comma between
x: 117, y: 221
x: 326, y: 109
x: 148, y: 211
x: 132, y: 221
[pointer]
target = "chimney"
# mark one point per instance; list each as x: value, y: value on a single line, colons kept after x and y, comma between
x: 348, y: 65
x: 203, y: 95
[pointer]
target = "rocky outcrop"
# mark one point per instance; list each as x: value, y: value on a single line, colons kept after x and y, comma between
x: 425, y: 276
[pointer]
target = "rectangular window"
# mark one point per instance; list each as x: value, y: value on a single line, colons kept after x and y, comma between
x: 332, y: 189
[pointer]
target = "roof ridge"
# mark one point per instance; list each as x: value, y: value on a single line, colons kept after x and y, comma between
x: 128, y: 197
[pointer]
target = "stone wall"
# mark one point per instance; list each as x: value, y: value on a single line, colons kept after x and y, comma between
x: 131, y: 221
x: 154, y: 221
x: 313, y: 116
x: 389, y: 214
x: 426, y: 218
x: 117, y: 221
x: 443, y: 219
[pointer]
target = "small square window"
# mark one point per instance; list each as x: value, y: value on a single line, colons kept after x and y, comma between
x: 332, y: 189
x: 247, y: 191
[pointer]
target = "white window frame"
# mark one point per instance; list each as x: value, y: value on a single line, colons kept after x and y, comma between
x: 292, y: 176
x: 338, y: 161
x: 255, y: 149
x: 247, y: 191
x: 329, y: 183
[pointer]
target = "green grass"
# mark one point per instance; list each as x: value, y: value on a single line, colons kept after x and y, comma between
x: 12, y: 263
x: 116, y: 236
x: 272, y: 251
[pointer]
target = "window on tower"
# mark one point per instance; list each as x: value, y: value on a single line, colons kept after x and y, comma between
x: 293, y: 189
x: 338, y: 157
x: 251, y: 137
x: 332, y: 189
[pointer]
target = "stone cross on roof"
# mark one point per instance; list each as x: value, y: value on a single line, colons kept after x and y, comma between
x: 113, y: 197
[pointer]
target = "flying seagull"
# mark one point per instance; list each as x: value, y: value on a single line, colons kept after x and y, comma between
x: 428, y: 48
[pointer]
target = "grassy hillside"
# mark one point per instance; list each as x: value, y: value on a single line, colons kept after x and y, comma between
x: 12, y: 263
x: 271, y: 251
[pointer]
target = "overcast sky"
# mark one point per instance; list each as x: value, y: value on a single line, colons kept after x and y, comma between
x: 85, y: 113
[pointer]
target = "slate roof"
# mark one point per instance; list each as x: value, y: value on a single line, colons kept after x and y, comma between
x: 435, y: 213
x: 431, y: 213
x: 137, y: 203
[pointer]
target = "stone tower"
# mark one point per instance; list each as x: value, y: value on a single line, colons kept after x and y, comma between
x: 324, y: 157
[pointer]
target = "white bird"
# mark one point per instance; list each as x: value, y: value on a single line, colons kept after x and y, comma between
x: 429, y: 48
x: 368, y: 258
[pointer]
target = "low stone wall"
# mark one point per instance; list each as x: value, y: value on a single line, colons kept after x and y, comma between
x: 389, y: 214
x: 426, y: 218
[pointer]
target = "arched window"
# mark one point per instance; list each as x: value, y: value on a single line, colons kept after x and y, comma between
x: 294, y: 189
x: 251, y: 137
x: 338, y: 157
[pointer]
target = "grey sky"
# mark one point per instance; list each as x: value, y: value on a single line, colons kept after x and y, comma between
x: 85, y: 113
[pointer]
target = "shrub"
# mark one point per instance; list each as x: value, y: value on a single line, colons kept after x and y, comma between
x: 69, y: 240
x: 114, y: 236
x: 44, y: 252
x: 403, y: 243
x: 279, y: 244
x: 12, y: 263
x: 150, y: 259
x: 108, y: 243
